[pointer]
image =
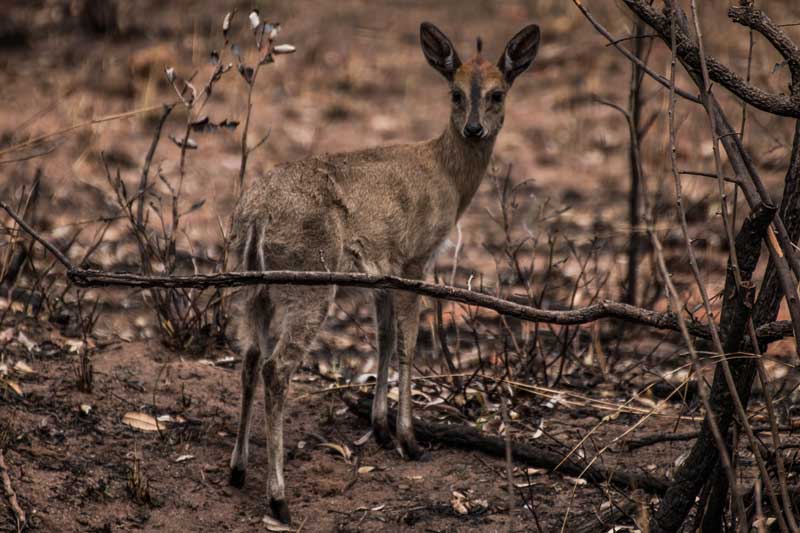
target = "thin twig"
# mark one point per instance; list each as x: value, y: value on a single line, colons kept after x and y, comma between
x: 19, y: 514
x: 80, y: 125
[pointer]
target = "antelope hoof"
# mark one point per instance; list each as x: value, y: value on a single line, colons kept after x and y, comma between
x: 382, y: 435
x: 280, y: 510
x: 237, y: 477
x: 415, y: 452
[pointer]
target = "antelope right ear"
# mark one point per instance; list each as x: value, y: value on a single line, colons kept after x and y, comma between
x: 519, y: 53
x: 438, y: 50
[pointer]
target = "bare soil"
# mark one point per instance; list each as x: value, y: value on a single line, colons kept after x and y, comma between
x: 71, y: 456
x: 358, y: 79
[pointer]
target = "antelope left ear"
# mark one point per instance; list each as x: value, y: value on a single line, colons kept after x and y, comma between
x: 438, y: 50
x: 519, y: 53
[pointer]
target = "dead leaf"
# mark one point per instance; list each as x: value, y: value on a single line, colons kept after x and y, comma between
x: 141, y: 421
x: 284, y: 49
x: 23, y: 368
x: 225, y: 361
x: 457, y: 502
x: 86, y: 408
x: 25, y: 341
x: 74, y: 346
x: 182, y: 458
x: 479, y: 504
x: 539, y: 430
x: 420, y: 394
x: 13, y: 385
x: 576, y: 480
x: 363, y: 439
x: 365, y: 469
x: 7, y: 335
x: 342, y: 450
x: 435, y: 401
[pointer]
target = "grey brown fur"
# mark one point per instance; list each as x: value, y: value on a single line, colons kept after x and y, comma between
x: 384, y: 210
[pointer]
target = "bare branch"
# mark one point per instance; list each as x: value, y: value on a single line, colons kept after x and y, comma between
x: 688, y: 52
x: 747, y: 15
x: 627, y: 53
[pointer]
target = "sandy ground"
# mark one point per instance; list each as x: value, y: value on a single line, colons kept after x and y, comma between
x: 357, y: 79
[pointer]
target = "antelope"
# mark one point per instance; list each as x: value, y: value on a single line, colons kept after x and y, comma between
x: 384, y: 210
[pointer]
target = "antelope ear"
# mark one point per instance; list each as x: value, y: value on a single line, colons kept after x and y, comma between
x: 519, y: 53
x: 438, y: 50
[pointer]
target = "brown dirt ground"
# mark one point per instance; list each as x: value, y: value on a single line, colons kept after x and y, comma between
x: 358, y: 79
x: 72, y: 469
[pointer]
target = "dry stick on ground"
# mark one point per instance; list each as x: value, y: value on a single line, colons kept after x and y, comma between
x: 607, y: 519
x: 19, y: 514
x: 660, y: 438
x: 602, y: 310
x: 470, y: 438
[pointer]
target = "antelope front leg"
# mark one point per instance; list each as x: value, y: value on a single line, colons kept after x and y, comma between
x: 387, y: 342
x: 407, y: 311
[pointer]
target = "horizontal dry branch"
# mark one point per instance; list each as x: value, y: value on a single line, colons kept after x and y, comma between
x: 602, y: 310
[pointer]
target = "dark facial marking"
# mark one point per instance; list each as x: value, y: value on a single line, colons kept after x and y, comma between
x: 474, y: 97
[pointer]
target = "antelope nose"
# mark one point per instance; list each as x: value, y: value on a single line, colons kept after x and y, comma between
x: 473, y: 130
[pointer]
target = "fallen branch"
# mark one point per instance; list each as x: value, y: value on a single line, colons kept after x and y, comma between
x: 605, y: 309
x: 658, y: 438
x: 607, y: 519
x: 19, y: 514
x: 468, y: 438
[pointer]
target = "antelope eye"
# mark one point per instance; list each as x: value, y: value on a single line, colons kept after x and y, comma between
x: 497, y: 97
x: 457, y: 97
